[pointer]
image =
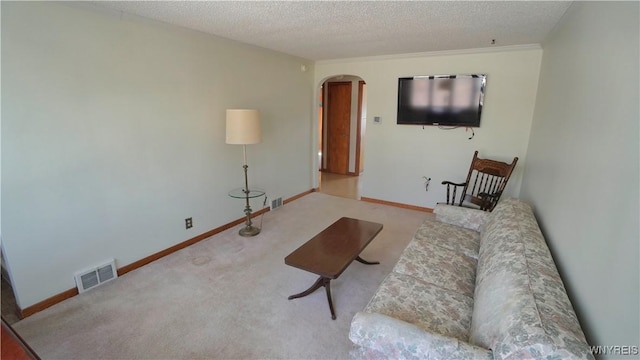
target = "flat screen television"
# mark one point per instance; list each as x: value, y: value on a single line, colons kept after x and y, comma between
x: 443, y: 100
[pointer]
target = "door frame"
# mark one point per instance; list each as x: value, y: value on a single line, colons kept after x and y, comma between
x: 358, y: 168
x: 323, y: 129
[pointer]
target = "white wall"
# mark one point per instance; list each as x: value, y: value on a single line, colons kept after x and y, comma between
x: 113, y: 134
x: 583, y: 163
x: 397, y: 156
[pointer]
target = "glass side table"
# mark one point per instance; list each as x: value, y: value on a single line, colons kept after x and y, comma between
x: 241, y: 193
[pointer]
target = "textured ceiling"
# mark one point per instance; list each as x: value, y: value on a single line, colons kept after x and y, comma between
x: 322, y: 30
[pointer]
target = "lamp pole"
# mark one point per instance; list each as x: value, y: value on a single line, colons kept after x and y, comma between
x: 248, y: 230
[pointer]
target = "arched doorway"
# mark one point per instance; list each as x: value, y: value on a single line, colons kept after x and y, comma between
x: 341, y: 128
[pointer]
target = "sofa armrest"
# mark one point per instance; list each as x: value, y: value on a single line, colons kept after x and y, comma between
x: 396, y: 339
x: 461, y: 216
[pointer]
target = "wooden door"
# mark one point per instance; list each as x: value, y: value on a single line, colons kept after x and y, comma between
x: 338, y: 126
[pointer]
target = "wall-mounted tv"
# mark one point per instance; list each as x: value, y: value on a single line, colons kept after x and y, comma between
x: 444, y: 100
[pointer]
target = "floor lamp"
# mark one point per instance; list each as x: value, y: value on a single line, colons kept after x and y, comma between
x: 243, y: 128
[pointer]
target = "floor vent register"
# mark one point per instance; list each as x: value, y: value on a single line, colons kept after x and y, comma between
x: 96, y: 276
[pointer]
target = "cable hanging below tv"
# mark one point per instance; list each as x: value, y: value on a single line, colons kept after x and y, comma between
x: 441, y: 100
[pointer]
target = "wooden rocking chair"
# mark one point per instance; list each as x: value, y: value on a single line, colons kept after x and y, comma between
x: 484, y: 186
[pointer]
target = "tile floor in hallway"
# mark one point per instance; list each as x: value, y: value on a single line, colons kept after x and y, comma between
x: 347, y: 186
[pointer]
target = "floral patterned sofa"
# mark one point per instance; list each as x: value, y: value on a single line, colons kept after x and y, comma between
x: 472, y: 285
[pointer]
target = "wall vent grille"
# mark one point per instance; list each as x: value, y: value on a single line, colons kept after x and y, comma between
x: 276, y: 203
x: 90, y: 278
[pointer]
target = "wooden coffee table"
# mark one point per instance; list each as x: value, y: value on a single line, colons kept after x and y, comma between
x: 330, y: 252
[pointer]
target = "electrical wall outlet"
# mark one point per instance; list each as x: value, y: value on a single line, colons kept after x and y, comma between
x: 188, y: 223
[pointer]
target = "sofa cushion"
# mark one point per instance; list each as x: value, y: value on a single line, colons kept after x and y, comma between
x: 439, y: 266
x: 521, y: 309
x: 461, y: 216
x: 458, y: 239
x: 425, y: 305
x: 384, y: 337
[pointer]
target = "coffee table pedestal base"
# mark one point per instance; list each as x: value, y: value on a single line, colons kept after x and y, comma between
x: 326, y: 282
x: 322, y: 281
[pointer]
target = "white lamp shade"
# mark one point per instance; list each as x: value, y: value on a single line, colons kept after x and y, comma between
x: 243, y: 126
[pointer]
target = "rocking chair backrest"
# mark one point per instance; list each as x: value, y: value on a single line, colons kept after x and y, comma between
x: 486, y: 181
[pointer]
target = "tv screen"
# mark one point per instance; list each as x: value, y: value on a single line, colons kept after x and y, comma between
x: 444, y: 100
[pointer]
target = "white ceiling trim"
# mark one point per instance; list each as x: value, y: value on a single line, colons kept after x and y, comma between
x: 433, y: 54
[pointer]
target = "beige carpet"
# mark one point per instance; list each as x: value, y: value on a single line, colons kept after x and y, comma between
x: 226, y: 297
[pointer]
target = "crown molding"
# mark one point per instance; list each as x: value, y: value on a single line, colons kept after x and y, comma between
x: 495, y: 49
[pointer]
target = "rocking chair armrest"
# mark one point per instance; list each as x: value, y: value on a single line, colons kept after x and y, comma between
x: 451, y: 199
x: 454, y: 184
